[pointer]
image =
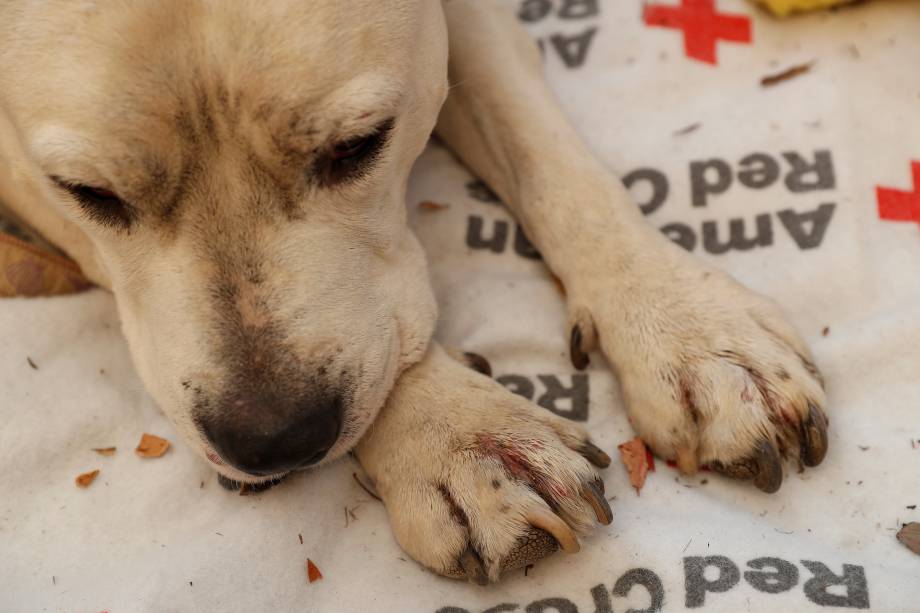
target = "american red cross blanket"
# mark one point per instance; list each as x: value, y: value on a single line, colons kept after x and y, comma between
x: 785, y: 152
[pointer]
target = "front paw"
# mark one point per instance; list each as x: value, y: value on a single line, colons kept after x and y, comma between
x: 711, y: 372
x: 476, y: 480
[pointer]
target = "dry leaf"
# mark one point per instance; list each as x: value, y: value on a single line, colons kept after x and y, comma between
x: 86, y: 479
x: 427, y: 205
x: 909, y: 534
x: 638, y: 461
x: 104, y: 450
x: 789, y: 73
x: 313, y: 573
x: 151, y: 446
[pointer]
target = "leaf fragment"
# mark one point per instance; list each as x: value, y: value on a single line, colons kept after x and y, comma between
x: 151, y: 446
x: 909, y: 535
x: 313, y: 573
x: 86, y: 479
x: 638, y: 461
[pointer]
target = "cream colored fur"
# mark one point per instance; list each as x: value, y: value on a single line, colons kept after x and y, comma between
x: 91, y: 92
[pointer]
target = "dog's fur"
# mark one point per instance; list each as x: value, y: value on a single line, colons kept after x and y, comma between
x: 254, y: 281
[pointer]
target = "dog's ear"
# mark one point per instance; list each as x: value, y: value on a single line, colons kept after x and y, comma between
x: 26, y: 200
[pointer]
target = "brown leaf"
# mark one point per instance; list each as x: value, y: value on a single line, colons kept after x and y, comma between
x: 789, y: 73
x: 427, y: 205
x: 313, y: 573
x: 638, y: 461
x: 151, y: 446
x: 104, y: 450
x: 86, y: 479
x: 909, y: 534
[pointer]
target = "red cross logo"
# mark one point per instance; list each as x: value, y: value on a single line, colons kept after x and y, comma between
x: 897, y: 205
x: 701, y: 24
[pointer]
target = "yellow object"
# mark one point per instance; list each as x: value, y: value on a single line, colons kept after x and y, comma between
x: 785, y: 7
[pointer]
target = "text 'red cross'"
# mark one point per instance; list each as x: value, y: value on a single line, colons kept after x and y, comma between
x: 701, y: 24
x: 897, y: 205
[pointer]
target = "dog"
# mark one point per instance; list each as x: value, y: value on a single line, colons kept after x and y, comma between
x: 235, y: 173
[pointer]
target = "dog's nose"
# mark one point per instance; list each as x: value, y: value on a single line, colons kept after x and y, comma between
x: 259, y: 443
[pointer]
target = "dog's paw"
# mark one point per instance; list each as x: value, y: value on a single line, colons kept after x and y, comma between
x: 711, y: 372
x: 476, y: 480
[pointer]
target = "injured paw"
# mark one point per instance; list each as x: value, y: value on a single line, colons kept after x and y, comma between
x: 711, y: 372
x: 477, y: 481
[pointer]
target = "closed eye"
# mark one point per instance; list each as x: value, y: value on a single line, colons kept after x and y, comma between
x: 349, y: 159
x: 101, y: 205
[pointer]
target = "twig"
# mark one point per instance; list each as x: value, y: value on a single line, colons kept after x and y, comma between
x: 693, y: 127
x: 789, y: 73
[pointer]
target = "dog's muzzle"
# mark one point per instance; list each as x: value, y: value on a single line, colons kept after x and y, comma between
x: 257, y: 442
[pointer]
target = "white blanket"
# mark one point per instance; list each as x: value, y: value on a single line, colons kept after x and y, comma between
x: 838, y: 246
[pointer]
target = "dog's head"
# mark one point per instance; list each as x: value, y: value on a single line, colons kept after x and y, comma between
x: 241, y: 169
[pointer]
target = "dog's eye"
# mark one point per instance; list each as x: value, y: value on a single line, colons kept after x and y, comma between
x: 352, y: 148
x: 349, y: 159
x: 101, y: 205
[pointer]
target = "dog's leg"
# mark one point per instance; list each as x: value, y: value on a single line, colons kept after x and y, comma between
x: 711, y: 372
x: 25, y: 196
x: 476, y: 479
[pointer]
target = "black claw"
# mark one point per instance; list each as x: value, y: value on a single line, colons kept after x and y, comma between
x: 594, y: 454
x: 472, y: 565
x: 245, y: 489
x: 580, y: 359
x: 814, y: 437
x: 594, y: 493
x: 765, y: 467
x: 478, y: 363
x: 769, y: 467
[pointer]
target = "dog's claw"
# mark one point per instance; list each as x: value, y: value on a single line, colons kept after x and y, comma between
x: 546, y: 520
x: 769, y: 467
x: 765, y: 467
x: 580, y: 359
x: 593, y: 494
x: 814, y: 437
x: 594, y: 454
x: 472, y: 566
x: 478, y: 363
